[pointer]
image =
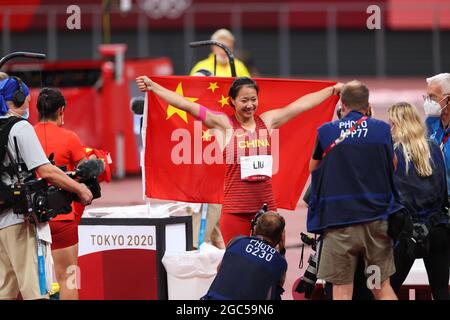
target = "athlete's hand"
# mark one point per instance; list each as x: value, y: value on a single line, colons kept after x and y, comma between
x: 337, y: 88
x: 144, y: 83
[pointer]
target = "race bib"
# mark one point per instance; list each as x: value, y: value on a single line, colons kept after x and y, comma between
x: 256, y: 168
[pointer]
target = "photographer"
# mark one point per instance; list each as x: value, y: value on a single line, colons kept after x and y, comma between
x: 308, y: 281
x: 352, y: 195
x: 68, y: 152
x: 19, y: 238
x: 252, y: 268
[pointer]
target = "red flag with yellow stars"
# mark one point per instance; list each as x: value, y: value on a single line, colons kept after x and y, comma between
x: 183, y: 162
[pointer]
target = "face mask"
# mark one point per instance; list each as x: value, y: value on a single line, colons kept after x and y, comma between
x: 26, y: 114
x: 431, y: 108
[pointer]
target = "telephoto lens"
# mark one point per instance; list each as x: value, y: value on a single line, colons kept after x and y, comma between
x: 308, y: 281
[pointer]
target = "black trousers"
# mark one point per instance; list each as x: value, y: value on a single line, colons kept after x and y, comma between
x: 436, y: 264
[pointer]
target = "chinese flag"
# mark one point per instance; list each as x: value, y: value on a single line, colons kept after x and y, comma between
x: 182, y: 162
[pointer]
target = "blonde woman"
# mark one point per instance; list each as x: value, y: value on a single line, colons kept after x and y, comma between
x: 422, y: 186
x: 3, y: 76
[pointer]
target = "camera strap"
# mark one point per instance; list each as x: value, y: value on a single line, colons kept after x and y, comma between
x: 41, y: 263
x: 445, y: 139
x: 13, y: 164
x: 5, y: 128
x: 300, y: 265
x: 319, y: 251
x: 345, y: 135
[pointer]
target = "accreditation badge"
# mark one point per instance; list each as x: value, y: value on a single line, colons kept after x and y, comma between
x: 256, y: 168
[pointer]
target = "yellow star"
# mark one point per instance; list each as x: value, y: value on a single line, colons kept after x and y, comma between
x: 171, y: 110
x: 213, y: 86
x: 206, y: 136
x: 224, y: 100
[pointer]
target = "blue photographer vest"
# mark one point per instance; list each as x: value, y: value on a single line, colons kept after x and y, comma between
x: 436, y: 133
x: 250, y: 270
x: 354, y: 181
x: 422, y: 196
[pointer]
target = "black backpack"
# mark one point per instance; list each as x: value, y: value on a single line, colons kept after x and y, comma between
x: 5, y: 191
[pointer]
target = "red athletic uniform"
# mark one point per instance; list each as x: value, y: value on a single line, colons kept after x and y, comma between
x: 242, y: 198
x: 68, y: 151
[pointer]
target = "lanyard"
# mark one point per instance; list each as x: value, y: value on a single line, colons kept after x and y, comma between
x: 344, y: 135
x: 444, y: 139
x: 41, y: 264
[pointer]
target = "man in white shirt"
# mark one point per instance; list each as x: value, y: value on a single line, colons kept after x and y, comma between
x: 19, y: 238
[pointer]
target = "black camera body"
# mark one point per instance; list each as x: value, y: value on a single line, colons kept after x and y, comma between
x: 263, y: 210
x: 308, y: 280
x: 40, y: 202
x: 36, y: 196
x: 418, y: 244
x: 309, y: 241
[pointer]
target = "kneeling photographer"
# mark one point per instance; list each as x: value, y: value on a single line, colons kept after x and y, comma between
x: 252, y: 268
x: 22, y: 229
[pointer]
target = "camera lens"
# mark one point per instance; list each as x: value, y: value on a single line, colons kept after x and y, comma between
x: 308, y: 281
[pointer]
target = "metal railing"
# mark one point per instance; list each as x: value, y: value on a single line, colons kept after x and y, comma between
x: 237, y: 14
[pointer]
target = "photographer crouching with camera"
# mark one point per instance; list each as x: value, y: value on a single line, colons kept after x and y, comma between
x: 252, y: 268
x: 24, y: 231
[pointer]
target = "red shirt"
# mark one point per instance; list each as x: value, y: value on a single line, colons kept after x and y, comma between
x: 241, y: 196
x: 66, y: 146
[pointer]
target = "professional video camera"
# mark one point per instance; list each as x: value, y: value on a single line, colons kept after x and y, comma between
x: 40, y: 202
x: 308, y: 281
x: 33, y: 197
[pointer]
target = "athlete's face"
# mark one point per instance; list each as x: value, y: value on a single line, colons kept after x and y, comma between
x: 246, y: 102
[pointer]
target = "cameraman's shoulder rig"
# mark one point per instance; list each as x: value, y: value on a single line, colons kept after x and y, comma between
x: 6, y: 125
x: 33, y: 197
x: 28, y: 196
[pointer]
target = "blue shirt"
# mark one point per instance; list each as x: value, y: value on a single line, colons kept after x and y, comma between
x: 422, y: 196
x: 436, y: 133
x: 251, y: 269
x: 354, y: 182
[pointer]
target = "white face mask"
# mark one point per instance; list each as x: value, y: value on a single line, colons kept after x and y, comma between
x: 431, y: 108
